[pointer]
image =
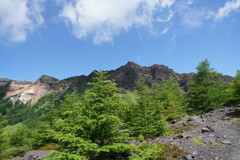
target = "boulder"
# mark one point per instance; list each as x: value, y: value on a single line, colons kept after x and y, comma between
x: 35, y: 155
x: 226, y: 142
x: 209, y: 140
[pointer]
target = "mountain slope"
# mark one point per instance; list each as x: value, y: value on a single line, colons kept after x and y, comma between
x: 125, y: 76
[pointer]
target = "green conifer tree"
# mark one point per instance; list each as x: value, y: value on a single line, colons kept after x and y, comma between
x: 147, y: 118
x: 234, y: 90
x: 205, y: 92
x: 2, y: 137
x: 90, y: 128
x: 170, y: 96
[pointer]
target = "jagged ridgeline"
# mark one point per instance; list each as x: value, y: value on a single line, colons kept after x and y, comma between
x: 125, y: 77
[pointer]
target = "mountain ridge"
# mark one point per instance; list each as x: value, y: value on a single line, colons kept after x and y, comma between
x: 125, y: 77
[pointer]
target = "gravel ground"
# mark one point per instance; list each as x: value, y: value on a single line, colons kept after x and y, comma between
x: 214, y: 137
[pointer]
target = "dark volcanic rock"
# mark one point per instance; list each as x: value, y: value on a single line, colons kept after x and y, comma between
x: 74, y: 82
x: 47, y: 79
x: 128, y: 75
x: 183, y: 80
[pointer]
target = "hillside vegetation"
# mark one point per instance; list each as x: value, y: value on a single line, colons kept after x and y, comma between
x: 101, y: 121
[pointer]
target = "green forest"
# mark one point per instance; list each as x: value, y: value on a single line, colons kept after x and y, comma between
x: 102, y: 122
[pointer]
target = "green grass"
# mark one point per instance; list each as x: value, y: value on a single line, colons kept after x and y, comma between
x: 158, y: 151
x: 178, y: 136
x: 51, y: 146
x: 233, y: 121
x: 197, y: 142
x: 216, y: 144
x: 181, y: 129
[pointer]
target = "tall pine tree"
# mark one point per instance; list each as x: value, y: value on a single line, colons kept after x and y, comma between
x: 205, y: 93
x: 90, y: 128
x: 171, y: 97
x: 234, y: 90
x: 147, y: 119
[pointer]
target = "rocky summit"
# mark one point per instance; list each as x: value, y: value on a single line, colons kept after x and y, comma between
x: 125, y: 77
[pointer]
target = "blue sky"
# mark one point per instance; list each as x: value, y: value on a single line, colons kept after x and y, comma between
x: 64, y: 38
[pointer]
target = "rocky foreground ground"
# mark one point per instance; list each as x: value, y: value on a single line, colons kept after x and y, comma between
x: 213, y: 136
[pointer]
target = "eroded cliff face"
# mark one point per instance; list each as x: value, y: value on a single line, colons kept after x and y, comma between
x: 125, y: 77
x: 30, y: 91
x: 16, y: 89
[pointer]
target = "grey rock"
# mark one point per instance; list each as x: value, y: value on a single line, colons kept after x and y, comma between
x: 186, y: 136
x: 209, y: 140
x: 226, y: 142
x: 221, y: 110
x: 35, y: 155
x: 211, y: 135
x: 205, y: 129
x: 210, y: 128
x: 189, y: 157
x: 194, y: 153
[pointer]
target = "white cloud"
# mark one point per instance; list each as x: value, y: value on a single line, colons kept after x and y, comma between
x: 164, y: 20
x: 18, y: 18
x: 104, y: 19
x: 193, y: 18
x: 190, y: 2
x: 164, y: 31
x: 166, y: 3
x: 228, y: 7
x: 138, y: 58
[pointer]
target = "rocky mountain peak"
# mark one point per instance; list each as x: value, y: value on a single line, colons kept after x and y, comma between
x: 4, y: 81
x: 131, y: 64
x: 47, y: 79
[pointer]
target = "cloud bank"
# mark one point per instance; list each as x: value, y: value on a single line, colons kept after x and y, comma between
x: 228, y: 7
x: 104, y: 19
x: 18, y: 18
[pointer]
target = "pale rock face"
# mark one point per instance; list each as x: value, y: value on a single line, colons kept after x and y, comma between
x: 16, y: 88
x: 34, y: 92
x: 29, y: 91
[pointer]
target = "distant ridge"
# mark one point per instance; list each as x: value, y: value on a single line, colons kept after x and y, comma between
x: 125, y: 77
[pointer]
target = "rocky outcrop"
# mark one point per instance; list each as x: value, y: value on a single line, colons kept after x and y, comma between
x: 125, y: 77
